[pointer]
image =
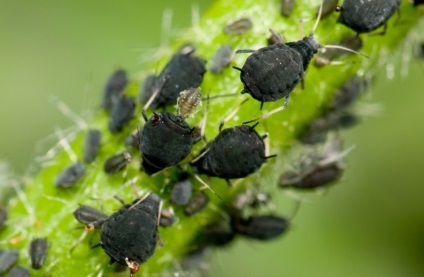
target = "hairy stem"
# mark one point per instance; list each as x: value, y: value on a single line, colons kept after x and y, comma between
x: 42, y: 210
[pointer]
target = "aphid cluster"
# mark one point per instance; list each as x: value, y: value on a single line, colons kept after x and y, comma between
x: 129, y: 235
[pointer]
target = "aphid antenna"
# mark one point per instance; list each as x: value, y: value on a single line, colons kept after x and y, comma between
x: 268, y: 114
x: 336, y: 157
x: 204, y: 119
x: 206, y: 186
x: 318, y: 17
x: 219, y: 96
x: 231, y: 115
x: 157, y: 89
x: 62, y: 107
x: 63, y: 142
x: 140, y: 200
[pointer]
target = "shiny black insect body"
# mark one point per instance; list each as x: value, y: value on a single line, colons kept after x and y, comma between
x: 222, y: 58
x: 87, y: 215
x: 183, y: 71
x: 181, y: 190
x: 235, y: 153
x: 367, y: 16
x: 122, y: 113
x: 113, y: 88
x: 38, y: 249
x: 70, y: 176
x: 263, y: 227
x: 165, y: 140
x: 197, y: 203
x: 238, y: 27
x: 271, y: 73
x: 129, y: 236
x: 117, y: 162
x: 8, y: 258
x: 19, y: 271
x: 92, y: 145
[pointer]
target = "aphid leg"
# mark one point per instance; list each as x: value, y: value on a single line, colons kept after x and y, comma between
x: 286, y: 101
x: 231, y: 115
x: 205, y: 185
x: 242, y: 51
x: 262, y: 105
x: 119, y: 199
x: 268, y: 114
x: 88, y: 228
x: 228, y: 183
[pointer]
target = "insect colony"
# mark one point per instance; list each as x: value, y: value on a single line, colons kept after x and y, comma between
x: 164, y: 139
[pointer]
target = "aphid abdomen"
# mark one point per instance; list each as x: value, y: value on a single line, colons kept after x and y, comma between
x: 272, y: 72
x: 364, y: 17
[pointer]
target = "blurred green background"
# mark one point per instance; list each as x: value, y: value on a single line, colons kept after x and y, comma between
x: 371, y: 224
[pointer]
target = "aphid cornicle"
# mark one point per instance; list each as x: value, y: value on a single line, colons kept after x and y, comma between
x: 129, y: 236
x: 263, y: 227
x: 70, y: 176
x: 367, y: 16
x: 113, y: 88
x: 92, y: 145
x: 7, y: 259
x: 235, y: 153
x: 122, y: 113
x: 183, y: 71
x: 38, y: 249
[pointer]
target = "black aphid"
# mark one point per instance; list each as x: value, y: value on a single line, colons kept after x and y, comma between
x: 183, y: 71
x: 70, y: 176
x: 286, y: 7
x: 317, y: 170
x: 19, y: 271
x: 189, y: 102
x: 238, y: 27
x: 181, y: 190
x: 147, y: 88
x: 263, y: 227
x: 87, y: 215
x: 347, y: 94
x: 367, y: 16
x: 122, y: 113
x: 328, y: 55
x: 167, y: 217
x: 113, y: 88
x: 328, y: 7
x: 165, y: 140
x: 222, y: 58
x: 133, y: 140
x: 235, y: 153
x: 199, y: 201
x: 129, y: 236
x: 8, y: 258
x: 92, y: 145
x: 3, y: 216
x: 216, y: 234
x: 271, y: 73
x: 117, y: 162
x: 38, y: 249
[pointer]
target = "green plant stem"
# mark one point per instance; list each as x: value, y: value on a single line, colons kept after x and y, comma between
x: 41, y: 210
